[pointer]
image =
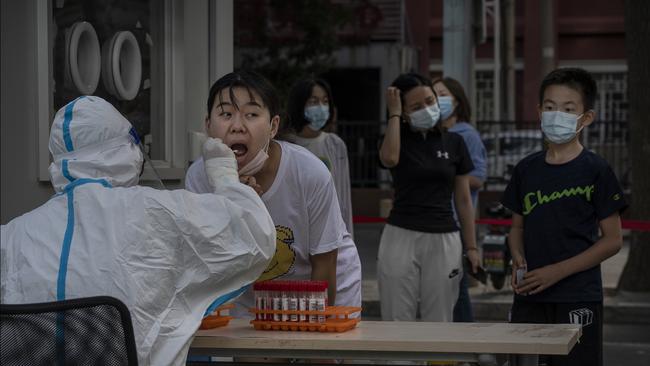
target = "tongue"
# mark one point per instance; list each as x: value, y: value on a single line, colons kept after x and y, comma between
x: 239, y: 149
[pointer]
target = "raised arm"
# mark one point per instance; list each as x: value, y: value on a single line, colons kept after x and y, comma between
x: 390, y: 147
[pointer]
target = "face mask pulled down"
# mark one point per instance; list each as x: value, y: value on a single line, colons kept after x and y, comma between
x: 425, y: 118
x: 256, y: 164
x: 560, y: 127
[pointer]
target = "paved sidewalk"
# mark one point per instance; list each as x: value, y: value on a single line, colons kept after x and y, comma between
x: 493, y: 305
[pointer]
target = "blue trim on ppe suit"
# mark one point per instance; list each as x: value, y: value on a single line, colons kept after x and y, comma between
x: 67, y: 118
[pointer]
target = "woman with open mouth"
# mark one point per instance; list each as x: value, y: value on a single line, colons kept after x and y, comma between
x: 295, y: 186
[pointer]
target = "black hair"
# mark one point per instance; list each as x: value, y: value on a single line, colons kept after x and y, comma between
x: 409, y: 81
x: 463, y: 109
x: 252, y: 82
x: 298, y: 96
x: 574, y: 78
x: 406, y: 82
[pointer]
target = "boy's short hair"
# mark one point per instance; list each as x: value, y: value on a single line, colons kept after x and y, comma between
x: 574, y: 78
x: 251, y: 81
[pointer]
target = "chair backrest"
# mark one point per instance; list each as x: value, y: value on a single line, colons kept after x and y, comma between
x: 85, y: 331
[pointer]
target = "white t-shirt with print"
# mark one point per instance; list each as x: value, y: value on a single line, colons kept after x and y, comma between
x: 331, y: 150
x: 304, y: 207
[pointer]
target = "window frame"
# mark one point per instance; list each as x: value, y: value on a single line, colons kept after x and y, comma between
x: 191, y: 62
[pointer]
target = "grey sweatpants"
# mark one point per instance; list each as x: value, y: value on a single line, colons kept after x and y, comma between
x: 414, y: 265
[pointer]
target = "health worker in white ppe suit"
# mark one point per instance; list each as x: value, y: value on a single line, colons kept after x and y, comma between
x: 170, y: 256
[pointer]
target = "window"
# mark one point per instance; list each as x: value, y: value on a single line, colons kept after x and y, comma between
x: 484, y: 95
x: 184, y: 46
x: 119, y: 49
x: 611, y: 102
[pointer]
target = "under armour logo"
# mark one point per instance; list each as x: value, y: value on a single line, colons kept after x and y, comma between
x: 582, y: 316
x: 442, y: 154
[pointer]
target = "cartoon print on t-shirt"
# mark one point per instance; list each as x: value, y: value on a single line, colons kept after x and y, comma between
x: 284, y: 256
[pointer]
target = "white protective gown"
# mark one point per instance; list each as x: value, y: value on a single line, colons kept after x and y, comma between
x: 168, y: 255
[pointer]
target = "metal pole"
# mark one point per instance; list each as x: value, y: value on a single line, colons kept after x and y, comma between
x: 458, y: 42
x: 220, y: 38
x: 547, y: 28
x: 508, y: 7
x: 496, y: 27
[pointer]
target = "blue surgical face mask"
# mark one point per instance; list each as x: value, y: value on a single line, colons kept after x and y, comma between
x: 560, y: 127
x: 425, y: 118
x: 446, y: 106
x: 317, y: 115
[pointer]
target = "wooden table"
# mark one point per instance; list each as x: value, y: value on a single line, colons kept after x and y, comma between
x: 377, y: 340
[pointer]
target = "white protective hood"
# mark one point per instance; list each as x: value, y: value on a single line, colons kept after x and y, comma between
x: 83, y: 148
x: 168, y: 255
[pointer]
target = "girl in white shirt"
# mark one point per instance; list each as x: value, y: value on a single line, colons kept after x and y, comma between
x: 310, y: 108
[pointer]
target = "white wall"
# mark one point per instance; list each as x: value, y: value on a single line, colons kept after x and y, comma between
x: 20, y: 189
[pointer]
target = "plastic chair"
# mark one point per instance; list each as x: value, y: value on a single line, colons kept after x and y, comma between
x: 84, y: 331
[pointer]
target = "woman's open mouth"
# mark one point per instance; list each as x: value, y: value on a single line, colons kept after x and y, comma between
x: 240, y: 151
